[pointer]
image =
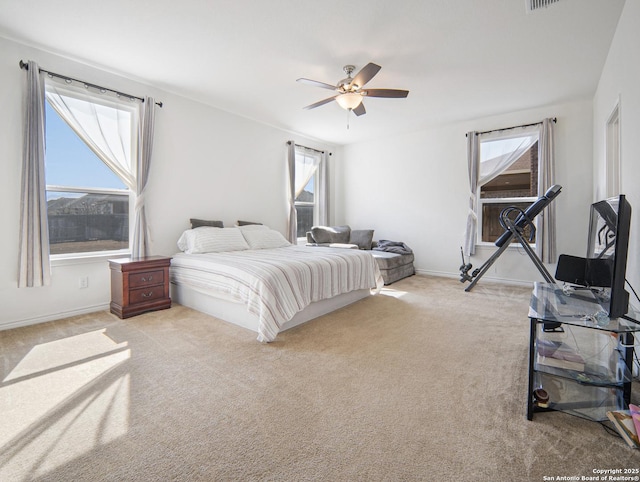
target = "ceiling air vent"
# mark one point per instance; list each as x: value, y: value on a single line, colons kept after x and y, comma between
x: 533, y: 5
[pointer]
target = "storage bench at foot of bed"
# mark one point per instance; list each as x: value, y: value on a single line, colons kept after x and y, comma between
x: 394, y: 266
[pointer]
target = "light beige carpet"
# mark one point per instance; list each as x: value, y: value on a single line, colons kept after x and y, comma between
x: 422, y: 382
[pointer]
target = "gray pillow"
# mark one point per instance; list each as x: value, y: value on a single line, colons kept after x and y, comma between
x: 331, y: 234
x: 245, y: 223
x: 196, y: 223
x: 362, y: 237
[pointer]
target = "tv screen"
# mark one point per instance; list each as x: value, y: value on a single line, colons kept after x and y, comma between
x: 609, y: 226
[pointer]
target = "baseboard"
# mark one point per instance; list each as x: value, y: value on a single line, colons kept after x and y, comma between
x: 488, y: 279
x: 53, y: 317
x: 440, y: 274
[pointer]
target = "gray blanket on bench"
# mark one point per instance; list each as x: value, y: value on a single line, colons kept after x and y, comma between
x: 397, y: 247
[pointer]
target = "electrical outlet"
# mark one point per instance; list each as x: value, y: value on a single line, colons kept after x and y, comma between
x: 83, y: 282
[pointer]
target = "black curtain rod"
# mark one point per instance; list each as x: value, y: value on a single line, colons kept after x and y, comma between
x: 310, y: 148
x: 554, y: 120
x: 25, y: 66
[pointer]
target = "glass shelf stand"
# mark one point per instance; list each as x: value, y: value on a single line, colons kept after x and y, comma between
x: 580, y: 357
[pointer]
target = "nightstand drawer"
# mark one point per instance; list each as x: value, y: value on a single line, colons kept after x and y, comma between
x: 148, y: 278
x: 144, y: 295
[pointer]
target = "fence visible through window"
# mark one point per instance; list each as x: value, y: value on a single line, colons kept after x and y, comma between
x: 86, y: 222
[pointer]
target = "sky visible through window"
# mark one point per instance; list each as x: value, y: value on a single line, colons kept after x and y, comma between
x: 70, y: 162
x: 309, y: 186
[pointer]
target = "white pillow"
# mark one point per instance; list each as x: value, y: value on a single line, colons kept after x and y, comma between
x: 264, y: 238
x: 252, y: 227
x: 206, y: 239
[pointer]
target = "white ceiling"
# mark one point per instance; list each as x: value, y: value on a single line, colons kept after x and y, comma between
x: 460, y: 59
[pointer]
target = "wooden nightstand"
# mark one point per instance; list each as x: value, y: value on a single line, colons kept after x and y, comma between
x: 139, y: 285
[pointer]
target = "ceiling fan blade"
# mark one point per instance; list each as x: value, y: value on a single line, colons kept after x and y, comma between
x: 316, y: 83
x: 393, y: 93
x: 319, y: 103
x: 366, y: 74
x: 360, y: 110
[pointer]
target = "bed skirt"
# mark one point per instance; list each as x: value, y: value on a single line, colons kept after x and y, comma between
x: 237, y: 313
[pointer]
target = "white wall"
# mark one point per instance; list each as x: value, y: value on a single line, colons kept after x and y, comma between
x: 206, y: 163
x: 411, y: 187
x: 621, y: 80
x: 414, y: 188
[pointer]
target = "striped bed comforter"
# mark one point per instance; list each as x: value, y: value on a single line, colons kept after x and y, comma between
x: 275, y: 284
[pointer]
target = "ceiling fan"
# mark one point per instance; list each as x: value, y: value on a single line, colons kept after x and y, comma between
x: 350, y: 91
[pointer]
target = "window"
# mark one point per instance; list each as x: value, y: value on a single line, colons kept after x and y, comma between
x: 509, y: 177
x: 306, y: 182
x: 89, y: 206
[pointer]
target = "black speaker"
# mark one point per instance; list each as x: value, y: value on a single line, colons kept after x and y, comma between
x: 571, y: 269
x: 585, y: 271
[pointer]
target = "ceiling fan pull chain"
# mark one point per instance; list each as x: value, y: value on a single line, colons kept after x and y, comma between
x: 348, y: 118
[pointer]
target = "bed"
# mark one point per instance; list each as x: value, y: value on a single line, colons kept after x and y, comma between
x: 265, y: 284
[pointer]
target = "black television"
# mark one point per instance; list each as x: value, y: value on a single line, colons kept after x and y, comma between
x: 604, y: 269
x: 607, y: 249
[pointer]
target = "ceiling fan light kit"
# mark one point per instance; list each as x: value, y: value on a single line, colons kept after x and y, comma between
x: 350, y: 91
x: 349, y: 100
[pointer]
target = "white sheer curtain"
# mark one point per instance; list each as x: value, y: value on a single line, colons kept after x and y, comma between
x: 33, y: 260
x: 106, y: 127
x: 497, y: 155
x: 306, y: 166
x: 141, y: 234
x: 292, y: 231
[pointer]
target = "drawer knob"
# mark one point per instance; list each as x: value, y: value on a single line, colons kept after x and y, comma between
x: 144, y: 280
x: 147, y: 295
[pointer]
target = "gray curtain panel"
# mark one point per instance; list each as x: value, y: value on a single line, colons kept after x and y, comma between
x: 34, y: 266
x: 473, y: 160
x: 141, y: 235
x: 546, y: 243
x: 292, y: 229
x: 323, y: 190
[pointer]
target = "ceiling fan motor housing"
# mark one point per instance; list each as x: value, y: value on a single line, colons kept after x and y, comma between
x: 345, y: 84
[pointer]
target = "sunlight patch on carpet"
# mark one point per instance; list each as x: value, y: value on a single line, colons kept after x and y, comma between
x: 63, y: 399
x: 392, y: 292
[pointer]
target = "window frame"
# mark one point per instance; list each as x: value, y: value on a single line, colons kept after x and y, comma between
x: 480, y: 202
x: 101, y: 98
x: 315, y: 177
